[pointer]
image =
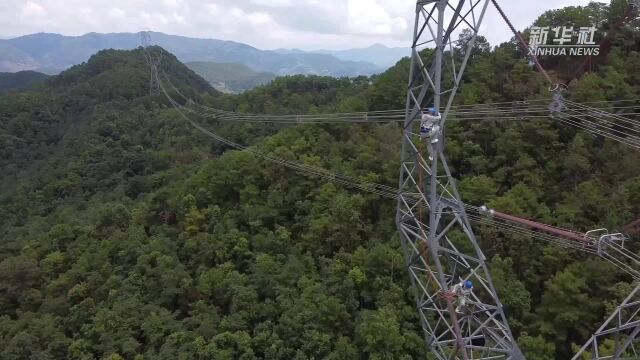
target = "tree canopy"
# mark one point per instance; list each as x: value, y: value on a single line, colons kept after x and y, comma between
x: 127, y: 234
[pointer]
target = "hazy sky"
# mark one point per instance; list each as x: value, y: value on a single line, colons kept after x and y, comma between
x: 266, y: 24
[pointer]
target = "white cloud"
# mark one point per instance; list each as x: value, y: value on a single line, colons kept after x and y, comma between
x: 172, y: 3
x: 259, y: 18
x: 213, y: 9
x: 273, y: 3
x: 307, y: 24
x: 116, y: 13
x: 33, y: 10
x: 178, y: 18
x: 369, y: 17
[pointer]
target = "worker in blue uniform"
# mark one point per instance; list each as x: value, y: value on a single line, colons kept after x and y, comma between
x: 430, y: 125
x: 462, y: 291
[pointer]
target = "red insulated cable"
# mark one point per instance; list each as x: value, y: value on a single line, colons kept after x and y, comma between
x: 542, y: 227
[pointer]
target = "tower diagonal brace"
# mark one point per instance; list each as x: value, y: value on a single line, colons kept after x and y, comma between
x: 439, y: 245
x: 619, y: 337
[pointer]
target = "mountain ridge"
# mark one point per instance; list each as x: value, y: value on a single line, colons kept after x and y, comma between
x: 230, y: 77
x: 379, y: 54
x: 51, y: 53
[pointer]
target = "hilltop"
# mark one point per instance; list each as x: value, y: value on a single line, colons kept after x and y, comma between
x: 20, y: 80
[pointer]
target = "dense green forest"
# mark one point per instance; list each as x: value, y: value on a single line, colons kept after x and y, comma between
x: 20, y: 80
x: 127, y: 234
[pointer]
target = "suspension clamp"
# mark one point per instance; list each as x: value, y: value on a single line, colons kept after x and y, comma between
x: 484, y: 210
x: 557, y: 105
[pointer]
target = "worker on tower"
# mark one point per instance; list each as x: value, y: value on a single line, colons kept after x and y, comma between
x: 462, y: 291
x: 430, y: 125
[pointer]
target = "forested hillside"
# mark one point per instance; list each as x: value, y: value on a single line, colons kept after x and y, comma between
x: 20, y: 80
x: 127, y: 234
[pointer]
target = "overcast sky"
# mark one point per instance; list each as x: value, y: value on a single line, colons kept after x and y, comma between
x: 266, y: 24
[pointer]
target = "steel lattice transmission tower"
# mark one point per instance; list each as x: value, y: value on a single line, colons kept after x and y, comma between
x: 154, y: 63
x: 619, y: 336
x: 439, y: 245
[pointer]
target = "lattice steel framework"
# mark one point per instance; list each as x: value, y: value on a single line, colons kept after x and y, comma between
x: 154, y: 63
x: 619, y: 336
x: 439, y: 245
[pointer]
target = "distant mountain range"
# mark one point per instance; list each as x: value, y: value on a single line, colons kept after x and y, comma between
x: 377, y: 54
x: 52, y: 53
x: 230, y: 77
